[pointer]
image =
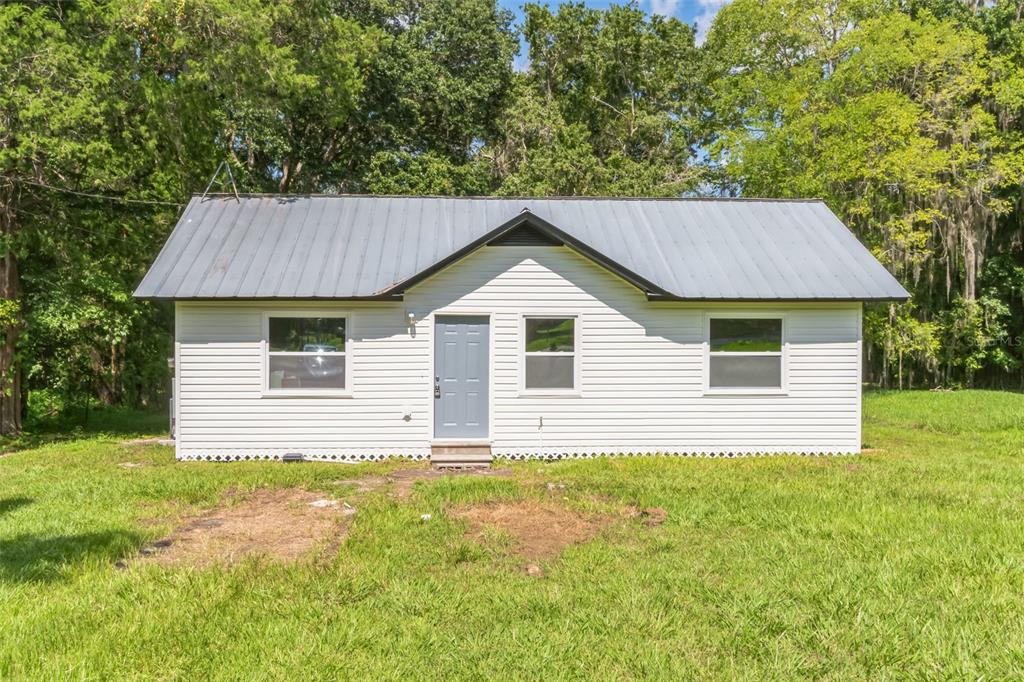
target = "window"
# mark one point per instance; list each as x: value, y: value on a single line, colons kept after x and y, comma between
x: 306, y: 353
x: 549, y: 353
x: 745, y: 352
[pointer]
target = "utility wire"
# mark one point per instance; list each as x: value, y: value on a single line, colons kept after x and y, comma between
x: 125, y: 200
x: 85, y: 230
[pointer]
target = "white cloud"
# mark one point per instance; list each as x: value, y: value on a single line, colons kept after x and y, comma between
x: 708, y: 10
x: 666, y: 8
x: 701, y: 11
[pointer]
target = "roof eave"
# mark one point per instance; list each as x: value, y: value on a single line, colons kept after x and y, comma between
x: 376, y: 297
x: 806, y: 299
x: 654, y: 298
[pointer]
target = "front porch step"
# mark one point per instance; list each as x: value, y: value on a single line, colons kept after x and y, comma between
x: 457, y: 456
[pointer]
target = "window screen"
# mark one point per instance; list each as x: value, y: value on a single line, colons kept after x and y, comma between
x: 745, y: 371
x: 745, y: 353
x: 307, y: 371
x: 306, y: 353
x: 550, y: 353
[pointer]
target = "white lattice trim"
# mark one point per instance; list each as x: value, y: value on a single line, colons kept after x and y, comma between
x: 523, y: 453
x: 552, y: 452
x: 317, y: 455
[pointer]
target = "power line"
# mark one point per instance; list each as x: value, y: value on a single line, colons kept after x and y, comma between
x: 85, y: 230
x: 124, y: 200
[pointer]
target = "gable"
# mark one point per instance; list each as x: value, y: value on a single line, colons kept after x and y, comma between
x: 528, y: 227
x: 522, y: 278
x: 525, y: 235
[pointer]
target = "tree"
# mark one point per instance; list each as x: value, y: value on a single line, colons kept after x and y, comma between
x: 610, y: 104
x: 85, y: 336
x: 271, y: 86
x: 435, y: 90
x: 901, y: 121
x: 53, y: 129
x: 906, y: 116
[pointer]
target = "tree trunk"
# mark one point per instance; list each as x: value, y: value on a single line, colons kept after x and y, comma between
x: 970, y: 266
x: 10, y: 313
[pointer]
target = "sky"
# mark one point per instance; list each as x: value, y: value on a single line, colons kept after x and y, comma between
x: 699, y: 12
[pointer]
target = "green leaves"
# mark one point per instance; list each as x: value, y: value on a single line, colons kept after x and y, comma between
x: 608, y: 105
x: 425, y: 175
x: 10, y: 313
x: 907, y: 118
x: 269, y: 85
x: 898, y: 117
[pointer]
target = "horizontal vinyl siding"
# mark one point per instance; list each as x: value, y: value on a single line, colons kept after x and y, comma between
x: 642, y: 365
x: 223, y: 412
x: 641, y: 373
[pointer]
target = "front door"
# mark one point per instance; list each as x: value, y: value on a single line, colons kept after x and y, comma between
x: 461, y: 391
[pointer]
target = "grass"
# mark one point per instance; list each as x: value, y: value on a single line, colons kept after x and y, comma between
x: 907, y: 562
x: 75, y: 424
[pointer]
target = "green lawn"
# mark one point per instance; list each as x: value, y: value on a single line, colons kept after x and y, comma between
x: 906, y: 562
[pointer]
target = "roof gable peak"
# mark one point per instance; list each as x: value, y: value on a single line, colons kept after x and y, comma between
x: 541, y: 230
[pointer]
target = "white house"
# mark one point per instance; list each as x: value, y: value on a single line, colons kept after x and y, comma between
x: 358, y: 327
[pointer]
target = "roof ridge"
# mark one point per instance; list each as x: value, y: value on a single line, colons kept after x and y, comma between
x: 272, y: 195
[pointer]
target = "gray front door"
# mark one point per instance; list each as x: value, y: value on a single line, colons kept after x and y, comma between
x: 461, y: 376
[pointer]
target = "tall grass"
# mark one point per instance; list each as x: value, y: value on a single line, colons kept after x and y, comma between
x: 907, y: 562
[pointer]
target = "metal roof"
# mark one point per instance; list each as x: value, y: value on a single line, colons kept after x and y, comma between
x: 351, y: 247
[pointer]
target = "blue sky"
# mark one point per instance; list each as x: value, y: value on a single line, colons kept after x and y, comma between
x: 699, y: 12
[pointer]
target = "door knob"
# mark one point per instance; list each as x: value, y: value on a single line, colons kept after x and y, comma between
x: 437, y: 387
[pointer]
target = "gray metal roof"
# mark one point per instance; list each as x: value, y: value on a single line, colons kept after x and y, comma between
x: 371, y: 246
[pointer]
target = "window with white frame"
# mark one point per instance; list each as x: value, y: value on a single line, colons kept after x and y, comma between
x: 549, y: 353
x: 745, y: 353
x: 305, y: 353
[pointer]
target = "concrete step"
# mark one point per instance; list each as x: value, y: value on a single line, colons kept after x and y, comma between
x: 458, y: 456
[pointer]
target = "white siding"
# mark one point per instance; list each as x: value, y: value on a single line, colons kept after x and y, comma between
x: 642, y: 373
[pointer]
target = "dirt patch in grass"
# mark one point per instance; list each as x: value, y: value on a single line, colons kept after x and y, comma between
x: 402, y: 481
x: 281, y: 525
x: 539, y: 530
x: 650, y: 516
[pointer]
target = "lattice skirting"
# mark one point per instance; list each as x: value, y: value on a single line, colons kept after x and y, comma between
x: 588, y: 453
x: 518, y: 454
x: 346, y: 455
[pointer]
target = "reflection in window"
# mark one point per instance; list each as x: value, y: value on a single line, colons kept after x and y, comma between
x: 306, y: 353
x: 307, y: 334
x: 745, y: 353
x: 550, y: 353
